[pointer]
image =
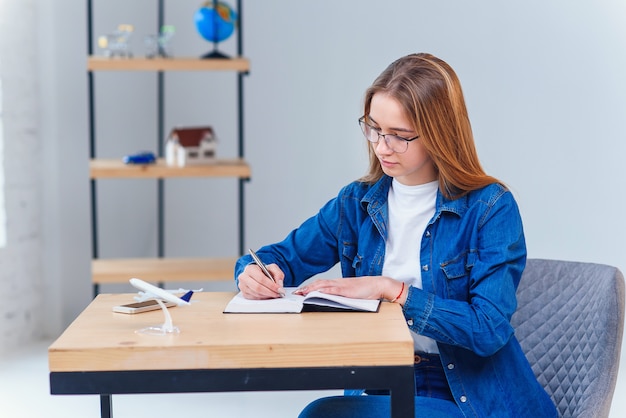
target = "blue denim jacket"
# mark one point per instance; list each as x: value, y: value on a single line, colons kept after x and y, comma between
x: 472, y: 257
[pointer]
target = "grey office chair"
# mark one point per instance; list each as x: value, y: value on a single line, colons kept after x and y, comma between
x: 570, y: 322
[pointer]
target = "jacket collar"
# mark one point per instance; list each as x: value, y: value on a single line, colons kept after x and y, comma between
x: 457, y: 206
x: 376, y: 198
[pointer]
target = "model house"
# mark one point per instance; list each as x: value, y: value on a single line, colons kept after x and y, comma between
x: 190, y: 146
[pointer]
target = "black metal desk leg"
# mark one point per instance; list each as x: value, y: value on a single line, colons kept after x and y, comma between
x: 403, y: 396
x: 106, y: 406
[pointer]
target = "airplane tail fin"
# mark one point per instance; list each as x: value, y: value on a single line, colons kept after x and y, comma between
x: 187, y: 296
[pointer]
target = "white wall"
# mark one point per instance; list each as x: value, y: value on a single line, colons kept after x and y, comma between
x: 64, y: 141
x: 22, y: 310
x: 543, y: 81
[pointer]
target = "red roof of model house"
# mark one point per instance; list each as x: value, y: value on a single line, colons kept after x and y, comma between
x: 191, y: 137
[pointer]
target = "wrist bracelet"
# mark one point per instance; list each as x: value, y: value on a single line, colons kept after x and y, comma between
x: 399, y: 294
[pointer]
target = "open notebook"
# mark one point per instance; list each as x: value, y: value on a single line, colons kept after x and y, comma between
x: 314, y: 301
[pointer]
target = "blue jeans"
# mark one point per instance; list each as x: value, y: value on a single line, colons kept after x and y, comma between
x: 433, y: 398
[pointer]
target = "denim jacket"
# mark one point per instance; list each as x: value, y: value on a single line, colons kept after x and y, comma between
x: 472, y: 256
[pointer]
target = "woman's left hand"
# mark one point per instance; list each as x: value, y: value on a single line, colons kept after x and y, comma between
x: 364, y: 287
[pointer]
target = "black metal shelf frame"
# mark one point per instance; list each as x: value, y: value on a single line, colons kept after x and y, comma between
x: 161, y: 136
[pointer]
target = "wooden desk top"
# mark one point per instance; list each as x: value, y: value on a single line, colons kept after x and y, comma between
x: 101, y: 340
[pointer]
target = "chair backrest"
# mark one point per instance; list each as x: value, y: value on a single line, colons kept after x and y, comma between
x: 570, y: 322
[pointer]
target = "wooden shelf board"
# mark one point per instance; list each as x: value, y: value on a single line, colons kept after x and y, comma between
x: 157, y: 270
x: 95, y: 63
x: 110, y: 168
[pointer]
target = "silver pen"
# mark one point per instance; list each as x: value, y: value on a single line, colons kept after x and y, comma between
x: 259, y: 263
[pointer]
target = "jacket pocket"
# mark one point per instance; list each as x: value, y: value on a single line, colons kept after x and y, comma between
x: 457, y: 273
x: 350, y: 260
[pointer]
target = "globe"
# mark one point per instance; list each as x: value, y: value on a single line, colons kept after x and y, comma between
x: 215, y: 21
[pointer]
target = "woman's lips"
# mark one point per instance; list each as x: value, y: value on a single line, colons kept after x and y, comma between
x: 386, y: 163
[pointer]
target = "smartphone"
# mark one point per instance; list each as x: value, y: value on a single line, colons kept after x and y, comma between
x: 138, y: 307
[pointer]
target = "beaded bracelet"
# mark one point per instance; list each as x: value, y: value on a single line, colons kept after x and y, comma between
x: 399, y: 294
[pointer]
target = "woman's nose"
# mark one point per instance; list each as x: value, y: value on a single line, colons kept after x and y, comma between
x: 382, y: 147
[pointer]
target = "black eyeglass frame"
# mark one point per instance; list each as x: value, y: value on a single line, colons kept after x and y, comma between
x: 363, y: 124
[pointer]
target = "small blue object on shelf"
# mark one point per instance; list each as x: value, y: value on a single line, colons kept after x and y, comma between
x: 145, y: 157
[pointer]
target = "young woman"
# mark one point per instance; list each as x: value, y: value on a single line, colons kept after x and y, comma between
x: 428, y: 229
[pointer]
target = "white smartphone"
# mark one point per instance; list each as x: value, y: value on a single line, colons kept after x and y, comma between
x: 138, y: 307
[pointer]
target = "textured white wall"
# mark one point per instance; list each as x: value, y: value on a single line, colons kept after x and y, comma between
x: 21, y: 289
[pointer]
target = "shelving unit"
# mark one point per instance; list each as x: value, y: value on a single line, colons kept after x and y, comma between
x: 160, y: 268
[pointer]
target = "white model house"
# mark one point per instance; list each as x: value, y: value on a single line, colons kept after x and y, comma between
x: 189, y: 146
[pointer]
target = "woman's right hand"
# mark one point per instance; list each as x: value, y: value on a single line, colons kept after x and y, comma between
x: 256, y: 285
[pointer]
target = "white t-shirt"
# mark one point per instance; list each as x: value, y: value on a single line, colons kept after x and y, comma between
x: 410, y: 210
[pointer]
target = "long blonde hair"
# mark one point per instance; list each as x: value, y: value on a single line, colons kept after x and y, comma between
x: 430, y: 93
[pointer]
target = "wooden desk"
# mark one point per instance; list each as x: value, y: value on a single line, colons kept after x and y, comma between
x: 100, y: 352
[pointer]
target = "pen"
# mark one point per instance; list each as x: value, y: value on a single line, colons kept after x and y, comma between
x: 258, y: 261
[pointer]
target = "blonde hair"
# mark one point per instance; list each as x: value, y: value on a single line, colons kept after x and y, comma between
x: 430, y: 93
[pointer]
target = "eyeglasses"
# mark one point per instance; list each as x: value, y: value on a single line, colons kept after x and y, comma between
x: 394, y: 142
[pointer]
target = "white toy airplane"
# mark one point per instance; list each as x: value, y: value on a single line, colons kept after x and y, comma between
x: 148, y: 291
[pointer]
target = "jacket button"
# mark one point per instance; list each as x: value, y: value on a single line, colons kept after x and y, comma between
x: 450, y: 366
x: 410, y: 322
x: 463, y: 399
x: 425, y: 267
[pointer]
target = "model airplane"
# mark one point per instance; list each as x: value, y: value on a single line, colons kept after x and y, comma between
x: 148, y: 291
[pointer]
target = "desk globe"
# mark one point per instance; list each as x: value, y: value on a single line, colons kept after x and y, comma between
x: 215, y: 21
